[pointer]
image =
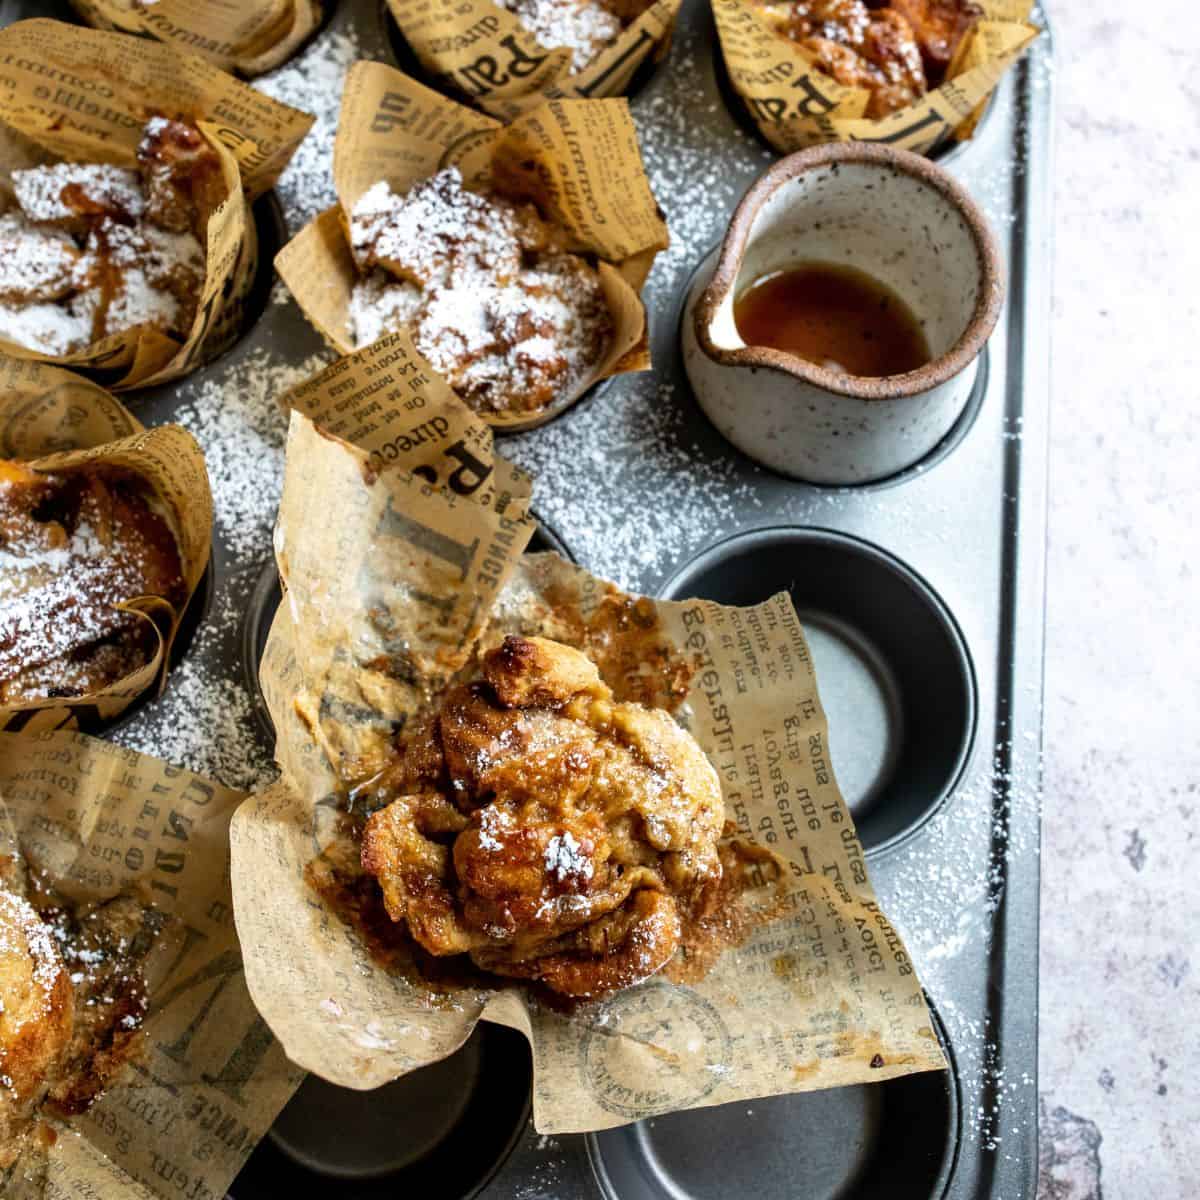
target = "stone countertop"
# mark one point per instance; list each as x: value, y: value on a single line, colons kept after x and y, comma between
x: 1119, y: 1056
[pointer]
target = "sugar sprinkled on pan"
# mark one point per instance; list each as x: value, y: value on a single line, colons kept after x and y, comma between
x: 206, y: 720
x: 241, y: 430
x: 312, y: 82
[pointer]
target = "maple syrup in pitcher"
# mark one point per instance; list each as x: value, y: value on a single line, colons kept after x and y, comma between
x: 835, y: 316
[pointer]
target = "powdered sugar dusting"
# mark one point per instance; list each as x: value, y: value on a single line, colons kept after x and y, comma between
x: 566, y: 859
x: 313, y: 83
x: 46, y: 327
x: 71, y: 550
x: 379, y: 304
x: 140, y: 303
x: 35, y: 263
x: 23, y: 932
x: 241, y: 429
x: 509, y: 319
x: 44, y: 592
x: 582, y: 26
x: 206, y: 720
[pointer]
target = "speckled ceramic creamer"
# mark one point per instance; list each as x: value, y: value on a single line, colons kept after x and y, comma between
x: 898, y: 218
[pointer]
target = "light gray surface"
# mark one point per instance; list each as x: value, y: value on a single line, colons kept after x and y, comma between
x: 1120, y: 961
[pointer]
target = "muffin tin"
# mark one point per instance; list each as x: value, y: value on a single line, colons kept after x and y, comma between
x: 895, y: 674
x: 923, y: 596
x: 897, y: 1139
x: 442, y: 1131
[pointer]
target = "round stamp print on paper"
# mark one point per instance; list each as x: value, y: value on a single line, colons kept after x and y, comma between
x: 69, y: 415
x: 654, y: 1049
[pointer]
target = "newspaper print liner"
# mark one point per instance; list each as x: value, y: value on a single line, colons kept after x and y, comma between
x: 56, y: 421
x: 793, y: 104
x: 483, y: 53
x: 377, y: 557
x: 82, y: 95
x: 248, y: 36
x: 98, y: 821
x: 578, y: 160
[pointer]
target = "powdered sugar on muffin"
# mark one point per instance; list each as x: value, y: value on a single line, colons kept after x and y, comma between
x: 94, y: 250
x: 581, y: 26
x: 501, y: 310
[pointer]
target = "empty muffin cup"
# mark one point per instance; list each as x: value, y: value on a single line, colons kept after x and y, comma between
x: 885, y: 214
x: 893, y: 670
x: 895, y: 1138
x: 441, y: 1131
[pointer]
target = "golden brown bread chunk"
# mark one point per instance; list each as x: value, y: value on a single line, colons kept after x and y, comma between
x: 93, y: 249
x: 938, y: 26
x: 36, y: 1016
x: 503, y: 312
x: 181, y: 176
x: 530, y: 671
x: 884, y: 59
x: 546, y: 830
x: 894, y: 51
x: 72, y: 547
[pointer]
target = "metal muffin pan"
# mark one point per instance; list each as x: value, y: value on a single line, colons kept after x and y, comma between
x: 441, y: 1131
x: 897, y: 1139
x: 895, y: 675
x: 923, y: 596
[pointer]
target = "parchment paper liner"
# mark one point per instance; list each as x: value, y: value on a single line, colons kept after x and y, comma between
x: 578, y: 160
x: 484, y: 53
x: 794, y: 104
x: 184, y: 1114
x: 393, y: 566
x: 82, y: 95
x: 250, y: 36
x: 55, y: 421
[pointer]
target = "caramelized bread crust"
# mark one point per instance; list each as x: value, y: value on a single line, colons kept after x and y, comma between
x: 546, y: 830
x: 73, y: 546
x: 36, y: 1018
